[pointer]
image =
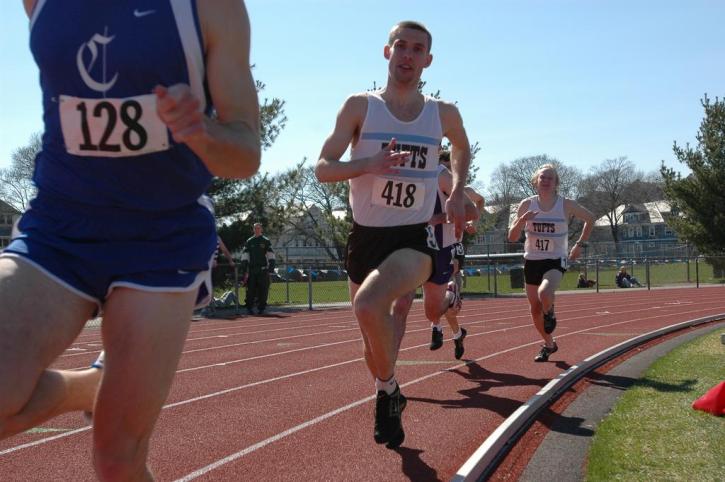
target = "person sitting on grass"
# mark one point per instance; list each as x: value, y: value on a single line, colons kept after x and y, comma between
x: 583, y: 282
x: 625, y: 280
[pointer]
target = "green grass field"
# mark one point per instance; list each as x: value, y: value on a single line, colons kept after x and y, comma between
x: 660, y: 275
x: 654, y: 434
x: 296, y: 293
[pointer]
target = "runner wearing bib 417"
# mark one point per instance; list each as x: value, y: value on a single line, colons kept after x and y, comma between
x: 545, y: 220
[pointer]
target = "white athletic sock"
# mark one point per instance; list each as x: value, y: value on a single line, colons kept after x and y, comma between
x: 388, y: 386
x: 99, y: 361
x: 436, y: 326
x: 458, y: 279
x: 553, y: 342
x: 458, y: 334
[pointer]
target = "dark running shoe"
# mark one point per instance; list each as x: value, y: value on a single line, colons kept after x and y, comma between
x: 549, y: 321
x: 545, y: 352
x: 388, y: 422
x: 459, y: 344
x: 436, y: 339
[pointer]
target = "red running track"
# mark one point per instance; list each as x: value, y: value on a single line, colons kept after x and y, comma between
x: 288, y: 397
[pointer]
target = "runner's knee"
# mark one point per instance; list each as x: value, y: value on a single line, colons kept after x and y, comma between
x: 372, y: 306
x: 546, y: 296
x: 366, y: 309
x: 11, y: 405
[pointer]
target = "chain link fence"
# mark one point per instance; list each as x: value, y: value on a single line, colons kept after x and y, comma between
x: 308, y: 278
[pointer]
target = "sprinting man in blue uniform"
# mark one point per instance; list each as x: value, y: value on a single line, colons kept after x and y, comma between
x: 143, y: 104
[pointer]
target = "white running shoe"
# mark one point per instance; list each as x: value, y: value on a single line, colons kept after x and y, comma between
x: 98, y: 364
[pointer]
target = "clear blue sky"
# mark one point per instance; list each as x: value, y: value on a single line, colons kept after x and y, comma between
x: 578, y: 80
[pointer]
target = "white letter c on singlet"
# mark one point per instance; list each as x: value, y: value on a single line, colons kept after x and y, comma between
x: 83, y: 70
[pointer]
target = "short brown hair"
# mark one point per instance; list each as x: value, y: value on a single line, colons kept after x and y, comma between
x: 412, y: 25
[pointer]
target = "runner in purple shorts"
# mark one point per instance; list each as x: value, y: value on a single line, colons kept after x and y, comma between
x: 441, y: 294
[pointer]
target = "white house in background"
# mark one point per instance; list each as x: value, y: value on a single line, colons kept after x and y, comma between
x: 8, y: 216
x: 644, y: 232
x: 638, y: 222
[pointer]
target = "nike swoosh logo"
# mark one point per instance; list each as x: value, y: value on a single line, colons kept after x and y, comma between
x: 142, y: 13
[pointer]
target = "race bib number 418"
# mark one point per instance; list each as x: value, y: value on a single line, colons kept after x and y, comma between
x: 396, y: 194
x: 112, y: 127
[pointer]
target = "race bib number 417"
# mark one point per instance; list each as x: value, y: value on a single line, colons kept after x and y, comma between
x: 112, y: 127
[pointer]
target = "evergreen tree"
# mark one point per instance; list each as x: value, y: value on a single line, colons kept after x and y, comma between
x: 698, y: 200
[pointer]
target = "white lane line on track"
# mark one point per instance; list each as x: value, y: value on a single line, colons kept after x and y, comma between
x: 409, y: 331
x: 43, y: 440
x: 297, y: 428
x: 236, y: 455
x: 571, y: 308
x: 353, y: 340
x: 301, y: 319
x: 241, y: 387
x: 272, y: 439
x: 291, y: 375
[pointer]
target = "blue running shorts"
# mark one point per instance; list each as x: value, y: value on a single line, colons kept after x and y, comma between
x: 91, y: 250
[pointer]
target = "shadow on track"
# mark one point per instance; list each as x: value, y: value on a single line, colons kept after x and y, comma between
x: 413, y: 466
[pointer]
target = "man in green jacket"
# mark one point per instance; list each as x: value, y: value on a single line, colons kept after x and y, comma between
x: 257, y: 262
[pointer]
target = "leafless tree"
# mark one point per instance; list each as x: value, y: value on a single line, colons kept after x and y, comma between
x: 608, y: 186
x: 316, y: 211
x: 510, y: 183
x: 16, y: 184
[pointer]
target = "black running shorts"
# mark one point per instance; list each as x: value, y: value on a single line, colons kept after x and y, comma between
x: 367, y: 247
x: 534, y: 269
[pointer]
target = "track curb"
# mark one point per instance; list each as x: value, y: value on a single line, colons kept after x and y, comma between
x: 496, y: 446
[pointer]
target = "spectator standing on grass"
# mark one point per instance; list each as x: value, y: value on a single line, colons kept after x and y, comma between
x: 257, y: 262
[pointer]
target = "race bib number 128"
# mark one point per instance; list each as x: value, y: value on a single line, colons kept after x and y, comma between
x: 112, y: 127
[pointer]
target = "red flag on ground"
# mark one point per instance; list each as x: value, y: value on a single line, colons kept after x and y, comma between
x: 713, y: 401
